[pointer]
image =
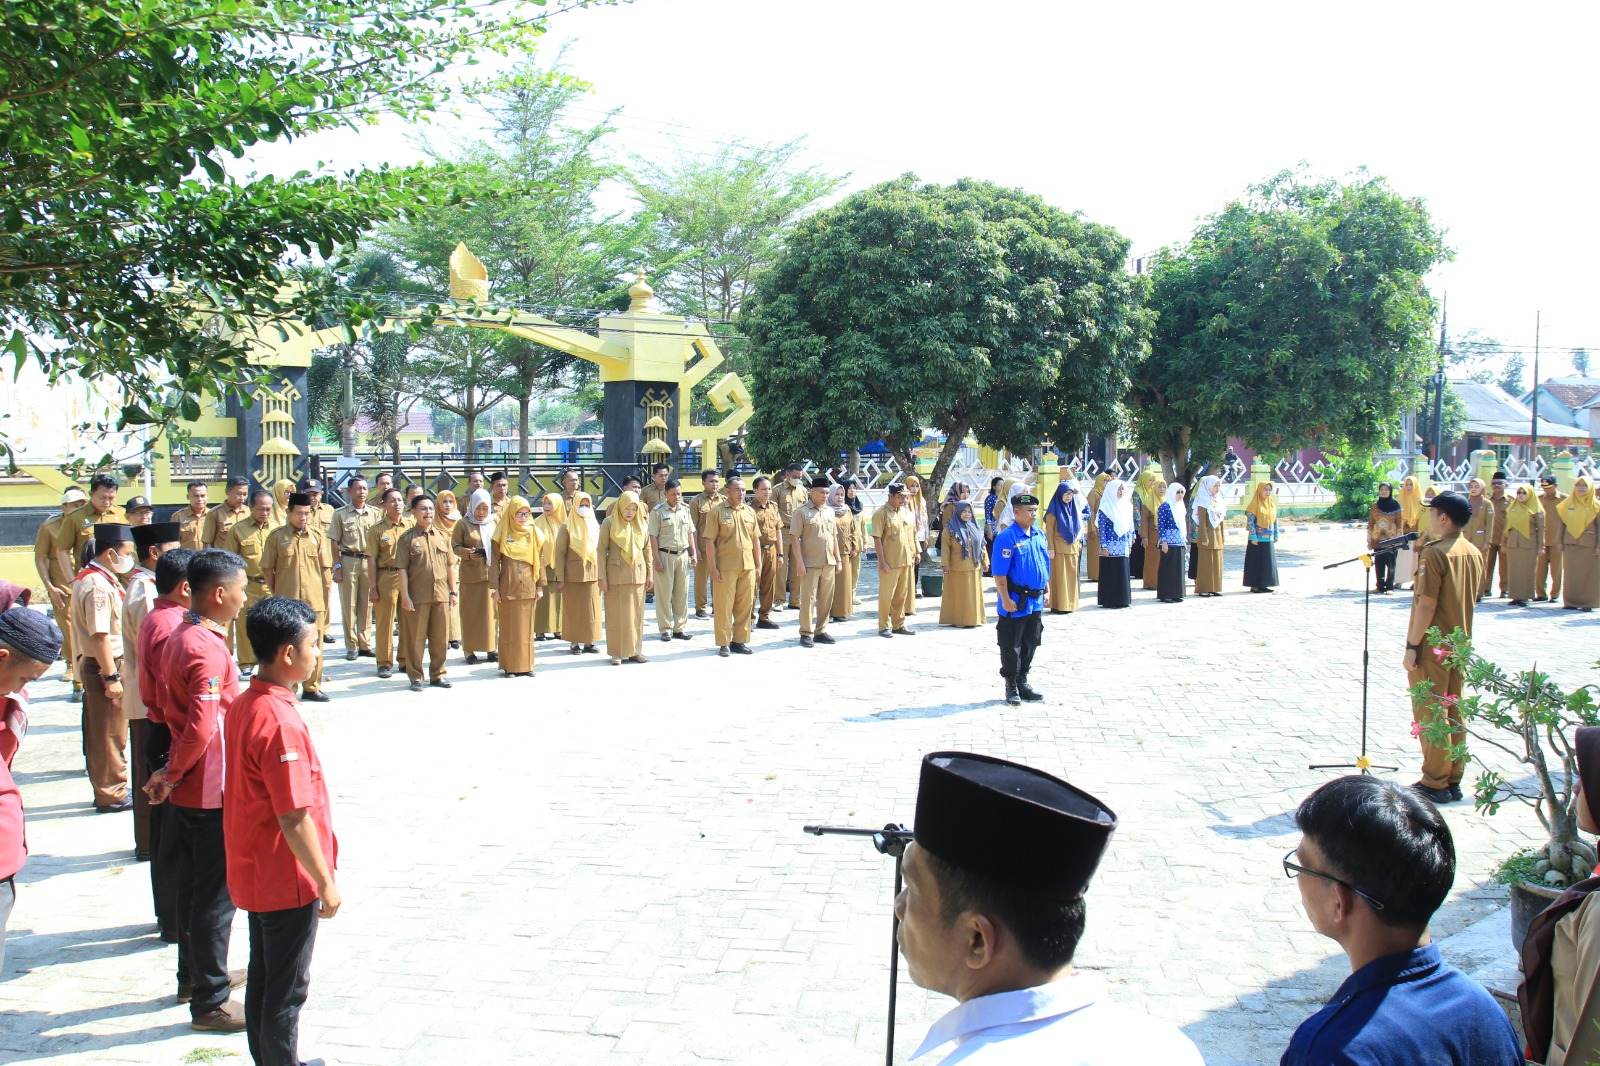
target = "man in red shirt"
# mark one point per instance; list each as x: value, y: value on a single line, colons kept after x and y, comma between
x: 29, y: 644
x: 201, y: 685
x: 278, y: 827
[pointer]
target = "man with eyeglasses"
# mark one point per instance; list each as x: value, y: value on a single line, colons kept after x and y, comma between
x: 1375, y: 860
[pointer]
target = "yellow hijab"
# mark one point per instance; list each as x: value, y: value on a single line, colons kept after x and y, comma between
x: 1098, y: 490
x: 280, y: 497
x: 550, y: 523
x: 1263, y: 505
x: 1519, y: 515
x: 1410, y: 501
x: 446, y: 517
x: 1146, y: 490
x: 628, y: 534
x: 522, y: 541
x: 584, y: 532
x: 1578, y: 511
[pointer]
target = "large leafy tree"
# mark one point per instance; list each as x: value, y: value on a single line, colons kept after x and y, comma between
x: 126, y: 245
x: 964, y: 308
x: 1295, y: 315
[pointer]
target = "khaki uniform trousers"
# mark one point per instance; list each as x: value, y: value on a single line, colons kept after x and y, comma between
x: 105, y: 737
x: 254, y: 593
x: 771, y: 578
x: 672, y: 592
x: 314, y: 683
x: 892, y: 589
x: 383, y: 614
x: 1437, y: 769
x: 702, y: 584
x: 816, y: 595
x: 786, y: 582
x: 731, y: 601
x: 68, y: 651
x: 1492, y: 555
x: 355, y: 604
x: 1549, y: 564
x: 429, y: 622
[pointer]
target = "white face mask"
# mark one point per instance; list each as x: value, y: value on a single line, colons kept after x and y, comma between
x: 121, y: 563
x: 586, y: 511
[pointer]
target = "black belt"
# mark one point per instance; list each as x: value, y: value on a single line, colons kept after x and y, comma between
x: 394, y: 569
x: 1017, y: 590
x: 354, y: 555
x: 673, y: 551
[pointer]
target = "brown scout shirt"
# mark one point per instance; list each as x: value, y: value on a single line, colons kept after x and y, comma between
x: 650, y: 496
x: 221, y: 519
x: 248, y: 540
x: 428, y: 559
x: 769, y: 519
x: 897, y: 531
x: 733, y: 534
x: 301, y: 563
x: 77, y: 529
x: 466, y: 540
x: 96, y: 607
x: 817, y: 533
x: 1502, y: 508
x: 192, y: 528
x: 1450, y: 571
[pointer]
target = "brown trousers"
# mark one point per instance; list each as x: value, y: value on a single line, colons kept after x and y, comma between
x: 1438, y: 771
x: 816, y: 598
x: 1549, y: 564
x: 105, y: 736
x: 429, y: 623
x: 1494, y: 560
x: 892, y: 587
x: 731, y: 601
x: 315, y: 683
x: 384, y: 610
x: 767, y: 592
x: 254, y: 593
x: 355, y: 604
x: 702, y: 584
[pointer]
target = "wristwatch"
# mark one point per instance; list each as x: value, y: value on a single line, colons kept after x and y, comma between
x: 1413, y: 647
x: 112, y: 677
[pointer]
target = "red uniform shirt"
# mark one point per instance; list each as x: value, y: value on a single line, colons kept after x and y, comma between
x: 273, y: 770
x: 13, y: 837
x: 201, y: 684
x: 164, y: 617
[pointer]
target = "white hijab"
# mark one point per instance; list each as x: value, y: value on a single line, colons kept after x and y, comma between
x: 1208, y: 494
x: 1118, y: 509
x: 1180, y: 513
x: 486, y: 527
x: 1006, y: 517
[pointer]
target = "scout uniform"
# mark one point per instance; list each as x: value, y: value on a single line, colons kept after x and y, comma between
x: 1549, y: 563
x: 44, y: 547
x: 1022, y: 557
x: 788, y: 497
x: 382, y: 542
x: 77, y: 529
x: 428, y: 561
x: 895, y: 529
x: 301, y: 562
x: 699, y: 507
x: 730, y: 530
x: 815, y: 545
x: 248, y: 540
x: 1495, y: 558
x: 192, y: 528
x: 348, y: 533
x: 673, y: 530
x: 769, y: 520
x: 1450, y: 572
x: 97, y: 599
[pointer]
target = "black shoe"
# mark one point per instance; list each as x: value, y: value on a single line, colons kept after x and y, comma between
x: 384, y: 671
x: 416, y: 686
x: 77, y: 696
x: 1027, y: 691
x: 141, y: 856
x: 1455, y: 791
x: 472, y: 660
x: 1437, y: 795
x: 805, y: 640
x: 741, y: 649
x: 679, y: 634
x: 123, y: 804
x: 723, y: 651
x: 455, y: 645
x: 1518, y: 603
x: 823, y: 638
x: 328, y: 639
x: 591, y: 649
x: 837, y: 618
x: 439, y: 682
x: 666, y: 638
x: 350, y: 656
x: 884, y: 633
x: 312, y: 695
x: 700, y: 612
x: 1012, y: 696
x: 767, y: 623
x: 493, y: 657
x: 367, y: 653
x: 904, y: 632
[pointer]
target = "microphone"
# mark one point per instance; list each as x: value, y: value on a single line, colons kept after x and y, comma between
x: 1396, y: 542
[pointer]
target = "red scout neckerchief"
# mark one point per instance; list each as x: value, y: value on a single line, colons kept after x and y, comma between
x: 109, y: 576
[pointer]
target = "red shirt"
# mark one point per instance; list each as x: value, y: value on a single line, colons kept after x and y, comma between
x: 273, y: 770
x: 13, y: 837
x: 164, y: 617
x: 201, y: 685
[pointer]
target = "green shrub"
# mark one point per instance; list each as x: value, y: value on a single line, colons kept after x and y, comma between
x: 1354, y: 480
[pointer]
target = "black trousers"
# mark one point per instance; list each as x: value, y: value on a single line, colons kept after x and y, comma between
x: 163, y: 844
x: 1019, y: 638
x: 1383, y: 569
x: 205, y: 910
x: 278, y: 980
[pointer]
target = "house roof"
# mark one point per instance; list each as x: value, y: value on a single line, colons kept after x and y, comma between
x: 1571, y: 392
x: 415, y: 422
x: 1493, y: 411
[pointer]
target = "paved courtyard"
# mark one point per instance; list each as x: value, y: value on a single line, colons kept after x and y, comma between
x: 605, y: 864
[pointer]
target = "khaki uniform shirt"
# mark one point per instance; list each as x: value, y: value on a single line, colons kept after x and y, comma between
x: 814, y: 527
x: 96, y: 608
x: 301, y: 563
x: 769, y: 520
x: 192, y: 528
x: 136, y: 604
x: 1480, y: 527
x: 673, y: 527
x: 77, y: 529
x: 1502, y: 508
x: 513, y: 579
x: 466, y: 540
x: 248, y: 540
x: 650, y: 496
x: 350, y: 528
x: 897, y: 531
x: 44, y: 547
x: 383, y: 542
x: 1450, y: 571
x: 322, y: 518
x: 428, y: 559
x: 1552, y: 522
x: 498, y: 507
x: 221, y: 519
x: 789, y: 498
x: 700, y: 506
x: 733, y: 535
x: 849, y: 534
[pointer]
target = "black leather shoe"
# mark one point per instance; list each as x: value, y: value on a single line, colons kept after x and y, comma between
x: 885, y: 633
x: 123, y: 804
x: 367, y: 653
x: 701, y: 613
x: 384, y: 671
x: 767, y: 623
x: 141, y: 856
x: 493, y: 656
x: 1027, y: 691
x: 837, y: 618
x: 680, y: 635
x: 1012, y: 696
x: 472, y: 660
x: 439, y: 682
x: 805, y: 640
x: 904, y: 632
x: 328, y: 639
x: 1455, y: 791
x: 741, y: 649
x: 666, y: 638
x: 349, y: 656
x: 1438, y: 795
x: 724, y: 652
x: 823, y: 638
x: 455, y: 645
x: 312, y: 695
x: 416, y: 686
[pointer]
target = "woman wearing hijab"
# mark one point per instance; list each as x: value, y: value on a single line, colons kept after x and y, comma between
x: 280, y: 501
x: 1580, y: 544
x: 917, y: 507
x: 1091, y: 547
x: 1383, y: 522
x: 577, y: 565
x: 516, y: 577
x: 447, y: 516
x: 625, y: 577
x: 472, y: 540
x: 1405, y: 564
x: 844, y: 582
x: 1480, y: 527
x: 1261, y: 552
x: 1152, y: 487
x: 1172, y: 530
x: 991, y: 516
x: 1524, y: 544
x: 961, y: 555
x: 1066, y: 523
x: 552, y: 519
x: 852, y: 498
x: 1209, y: 514
x: 1116, y: 522
x: 954, y: 495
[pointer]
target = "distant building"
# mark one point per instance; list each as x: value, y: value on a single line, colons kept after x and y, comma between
x: 1499, y: 421
x: 415, y: 434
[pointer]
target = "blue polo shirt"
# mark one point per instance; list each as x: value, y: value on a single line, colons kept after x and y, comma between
x: 1409, y: 1009
x: 1022, y: 557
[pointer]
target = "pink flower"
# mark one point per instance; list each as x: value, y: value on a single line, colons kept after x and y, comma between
x: 1439, y: 654
x: 1448, y: 700
x: 1416, y: 729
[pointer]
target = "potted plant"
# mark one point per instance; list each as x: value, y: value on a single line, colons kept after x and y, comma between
x: 1528, y: 717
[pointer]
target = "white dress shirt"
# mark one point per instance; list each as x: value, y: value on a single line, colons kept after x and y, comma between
x: 1069, y: 1022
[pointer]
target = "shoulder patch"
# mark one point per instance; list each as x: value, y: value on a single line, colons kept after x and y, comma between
x: 1005, y: 553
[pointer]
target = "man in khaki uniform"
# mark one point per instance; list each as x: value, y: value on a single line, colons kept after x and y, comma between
x: 789, y: 496
x: 192, y: 519
x: 298, y: 563
x: 1549, y: 563
x: 814, y: 559
x: 139, y: 510
x: 700, y: 506
x: 1497, y: 536
x: 674, y: 552
x: 894, y: 536
x: 235, y: 508
x: 499, y: 494
x: 248, y: 540
x: 653, y: 493
x: 427, y: 593
x: 57, y: 581
x: 729, y: 539
x: 773, y: 534
x: 348, y: 532
x: 97, y: 617
x: 321, y: 513
x: 384, y: 573
x: 1449, y: 578
x: 77, y: 528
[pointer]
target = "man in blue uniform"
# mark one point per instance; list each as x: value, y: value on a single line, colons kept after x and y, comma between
x: 1021, y: 567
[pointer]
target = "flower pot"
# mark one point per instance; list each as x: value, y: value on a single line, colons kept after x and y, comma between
x: 1527, y: 900
x: 933, y: 585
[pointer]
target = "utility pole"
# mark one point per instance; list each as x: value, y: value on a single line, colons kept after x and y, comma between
x: 1438, y: 386
x: 1533, y: 449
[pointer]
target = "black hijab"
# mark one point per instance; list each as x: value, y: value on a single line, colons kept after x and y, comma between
x: 1387, y: 504
x: 852, y: 498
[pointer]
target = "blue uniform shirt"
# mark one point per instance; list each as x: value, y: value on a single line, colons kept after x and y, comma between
x: 1409, y: 1008
x: 1022, y: 557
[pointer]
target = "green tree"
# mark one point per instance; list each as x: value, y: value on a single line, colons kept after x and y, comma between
x: 1580, y: 361
x: 1353, y: 477
x: 966, y: 308
x: 128, y: 251
x: 1293, y: 316
x: 1511, y: 374
x: 1453, y: 414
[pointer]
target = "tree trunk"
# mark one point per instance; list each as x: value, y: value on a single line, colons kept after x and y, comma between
x: 524, y: 403
x: 933, y: 491
x: 854, y: 466
x: 471, y: 421
x: 347, y: 437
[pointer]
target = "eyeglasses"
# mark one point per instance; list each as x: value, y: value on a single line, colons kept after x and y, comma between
x: 1291, y: 870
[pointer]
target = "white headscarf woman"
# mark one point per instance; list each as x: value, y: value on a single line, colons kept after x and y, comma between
x: 485, y: 524
x: 1209, y: 495
x: 1012, y: 491
x: 1180, y: 514
x: 1116, y: 503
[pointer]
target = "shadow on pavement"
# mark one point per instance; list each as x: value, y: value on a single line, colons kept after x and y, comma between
x: 942, y: 710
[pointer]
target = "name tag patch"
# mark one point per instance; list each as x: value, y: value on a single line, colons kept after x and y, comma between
x: 289, y: 756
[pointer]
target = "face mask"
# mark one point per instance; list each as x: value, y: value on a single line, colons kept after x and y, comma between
x: 586, y: 511
x: 122, y: 563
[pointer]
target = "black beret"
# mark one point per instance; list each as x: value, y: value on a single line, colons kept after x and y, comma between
x: 30, y: 633
x: 155, y: 533
x: 1012, y: 823
x: 821, y: 483
x: 299, y: 499
x: 108, y: 533
x: 1453, y: 504
x: 1024, y: 501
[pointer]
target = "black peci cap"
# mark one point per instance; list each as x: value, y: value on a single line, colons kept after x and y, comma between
x: 299, y: 499
x: 108, y: 533
x: 821, y: 483
x: 155, y: 533
x: 1453, y: 504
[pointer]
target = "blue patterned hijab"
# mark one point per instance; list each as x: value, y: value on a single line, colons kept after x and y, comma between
x: 965, y: 530
x: 1069, y: 517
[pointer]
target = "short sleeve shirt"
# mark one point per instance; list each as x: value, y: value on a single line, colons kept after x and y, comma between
x: 77, y: 529
x: 272, y: 770
x: 96, y: 608
x: 773, y: 528
x: 202, y: 682
x: 427, y: 558
x: 44, y: 547
x: 1022, y: 557
x: 300, y: 562
x: 221, y: 519
x: 673, y: 527
x: 383, y: 540
x: 248, y: 540
x: 1450, y: 572
x: 817, y: 533
x: 896, y: 531
x: 733, y: 535
x: 191, y: 527
x: 164, y: 617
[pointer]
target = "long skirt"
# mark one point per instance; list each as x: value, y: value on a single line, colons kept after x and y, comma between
x: 1170, y: 578
x: 1114, y: 589
x: 1135, y: 558
x: 1260, y: 565
x: 1194, y: 561
x: 1064, y: 578
x: 1405, y: 567
x: 962, y: 603
x: 1152, y: 564
x: 1521, y: 563
x: 624, y: 620
x: 1091, y: 548
x: 1580, y: 582
x: 1208, y: 570
x: 580, y: 612
x: 477, y: 618
x: 516, y: 636
x: 844, y: 587
x: 547, y: 616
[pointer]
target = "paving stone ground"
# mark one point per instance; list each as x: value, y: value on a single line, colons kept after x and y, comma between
x: 605, y: 864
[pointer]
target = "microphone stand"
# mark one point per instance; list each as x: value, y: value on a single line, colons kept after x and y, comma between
x: 1393, y: 544
x: 890, y: 840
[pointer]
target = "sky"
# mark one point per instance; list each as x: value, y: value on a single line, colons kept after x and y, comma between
x: 1143, y: 116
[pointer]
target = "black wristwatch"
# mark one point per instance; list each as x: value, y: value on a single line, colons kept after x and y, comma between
x: 112, y: 677
x: 1413, y: 647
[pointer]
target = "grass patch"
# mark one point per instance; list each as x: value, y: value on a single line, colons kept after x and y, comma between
x: 1518, y: 867
x: 209, y: 1054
